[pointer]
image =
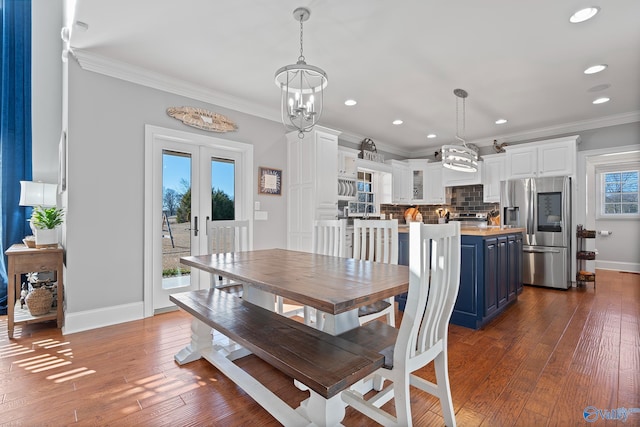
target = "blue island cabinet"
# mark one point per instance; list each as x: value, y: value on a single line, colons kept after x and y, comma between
x: 490, y: 276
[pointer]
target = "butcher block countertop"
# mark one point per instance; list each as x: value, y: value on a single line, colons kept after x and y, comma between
x: 492, y: 230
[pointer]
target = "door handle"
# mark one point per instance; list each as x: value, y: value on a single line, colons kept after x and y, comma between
x: 195, y: 226
x: 542, y: 251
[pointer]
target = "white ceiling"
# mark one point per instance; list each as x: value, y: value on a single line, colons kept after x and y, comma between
x: 521, y: 60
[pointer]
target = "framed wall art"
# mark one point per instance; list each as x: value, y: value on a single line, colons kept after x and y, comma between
x: 269, y: 181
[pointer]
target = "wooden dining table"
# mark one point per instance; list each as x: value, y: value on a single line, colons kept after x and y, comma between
x: 334, y: 285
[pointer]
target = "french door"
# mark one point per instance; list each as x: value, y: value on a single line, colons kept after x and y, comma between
x: 189, y: 178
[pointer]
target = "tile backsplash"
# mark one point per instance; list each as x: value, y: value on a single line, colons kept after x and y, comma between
x: 459, y: 199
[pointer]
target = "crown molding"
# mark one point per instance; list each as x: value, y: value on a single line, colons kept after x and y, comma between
x: 546, y: 132
x: 566, y: 128
x: 103, y: 65
x: 90, y: 61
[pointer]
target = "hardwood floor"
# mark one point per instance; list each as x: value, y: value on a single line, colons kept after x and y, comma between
x: 542, y: 362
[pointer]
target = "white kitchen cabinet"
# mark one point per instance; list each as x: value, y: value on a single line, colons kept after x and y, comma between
x: 312, y: 183
x: 453, y: 178
x: 401, y: 187
x: 417, y: 180
x: 553, y: 157
x: 347, y: 162
x: 434, y: 190
x: 492, y: 173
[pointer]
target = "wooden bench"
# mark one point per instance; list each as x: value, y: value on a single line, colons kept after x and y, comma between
x: 323, y: 363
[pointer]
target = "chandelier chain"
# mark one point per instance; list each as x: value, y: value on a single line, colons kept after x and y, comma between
x: 301, y: 57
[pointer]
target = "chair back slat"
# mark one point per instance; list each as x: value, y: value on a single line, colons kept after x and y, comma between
x: 329, y: 237
x: 227, y: 236
x: 434, y: 263
x: 376, y: 240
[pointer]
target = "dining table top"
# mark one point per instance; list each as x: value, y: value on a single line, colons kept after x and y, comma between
x: 331, y: 284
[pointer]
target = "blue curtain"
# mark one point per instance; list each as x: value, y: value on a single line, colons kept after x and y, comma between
x: 15, y: 127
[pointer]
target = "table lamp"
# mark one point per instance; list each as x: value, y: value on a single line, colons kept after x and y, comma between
x: 37, y: 194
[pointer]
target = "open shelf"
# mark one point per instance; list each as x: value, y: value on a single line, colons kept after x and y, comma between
x: 22, y: 315
x: 588, y: 255
x: 582, y: 256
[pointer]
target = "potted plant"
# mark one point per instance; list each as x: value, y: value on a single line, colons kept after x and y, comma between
x: 45, y: 222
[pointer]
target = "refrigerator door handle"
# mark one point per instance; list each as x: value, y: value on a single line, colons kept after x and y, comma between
x: 531, y: 211
x: 541, y: 251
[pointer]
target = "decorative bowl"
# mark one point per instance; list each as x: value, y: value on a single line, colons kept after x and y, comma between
x: 29, y: 241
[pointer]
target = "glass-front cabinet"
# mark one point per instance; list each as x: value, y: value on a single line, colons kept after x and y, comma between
x: 417, y: 182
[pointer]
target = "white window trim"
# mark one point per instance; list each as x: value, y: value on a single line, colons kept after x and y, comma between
x: 600, y: 170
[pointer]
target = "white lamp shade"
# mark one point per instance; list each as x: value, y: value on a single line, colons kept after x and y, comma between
x: 38, y: 194
x: 459, y: 158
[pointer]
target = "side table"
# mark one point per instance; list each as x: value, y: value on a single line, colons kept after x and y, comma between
x: 22, y: 260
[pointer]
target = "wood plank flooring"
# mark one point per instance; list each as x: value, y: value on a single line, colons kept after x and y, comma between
x: 542, y: 362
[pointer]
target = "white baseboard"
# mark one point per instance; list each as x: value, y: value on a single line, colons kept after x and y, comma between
x: 620, y: 266
x: 98, y: 318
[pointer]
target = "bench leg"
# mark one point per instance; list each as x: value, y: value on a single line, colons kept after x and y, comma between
x: 201, y: 340
x: 320, y: 411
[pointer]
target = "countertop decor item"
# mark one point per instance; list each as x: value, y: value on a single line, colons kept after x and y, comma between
x: 29, y: 241
x: 202, y: 119
x: 39, y: 301
x: 499, y: 147
x: 45, y: 222
x: 368, y: 151
x: 302, y: 88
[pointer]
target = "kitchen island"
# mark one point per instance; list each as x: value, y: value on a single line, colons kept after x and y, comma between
x: 490, y: 273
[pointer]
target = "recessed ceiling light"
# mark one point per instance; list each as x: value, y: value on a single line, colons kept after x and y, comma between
x: 584, y: 14
x: 595, y: 68
x: 350, y: 102
x: 397, y: 122
x: 601, y: 100
x: 81, y: 25
x: 501, y: 121
x: 598, y: 88
x: 431, y: 135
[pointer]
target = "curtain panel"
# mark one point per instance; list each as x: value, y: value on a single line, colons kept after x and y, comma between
x: 15, y: 127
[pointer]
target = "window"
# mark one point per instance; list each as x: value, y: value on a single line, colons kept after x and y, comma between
x: 365, y: 194
x: 619, y: 194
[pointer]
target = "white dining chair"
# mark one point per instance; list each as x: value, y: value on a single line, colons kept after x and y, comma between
x: 376, y: 240
x: 328, y: 239
x: 227, y: 236
x: 434, y: 279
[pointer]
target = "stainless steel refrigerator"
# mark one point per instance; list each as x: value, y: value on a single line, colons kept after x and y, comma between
x: 542, y: 206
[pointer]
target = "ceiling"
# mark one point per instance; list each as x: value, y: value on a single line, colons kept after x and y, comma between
x: 518, y: 60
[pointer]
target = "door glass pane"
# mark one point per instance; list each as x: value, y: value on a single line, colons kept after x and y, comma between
x: 222, y: 189
x: 176, y: 218
x: 418, y: 185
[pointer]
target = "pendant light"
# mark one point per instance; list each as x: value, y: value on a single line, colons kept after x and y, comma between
x: 460, y: 157
x: 302, y: 86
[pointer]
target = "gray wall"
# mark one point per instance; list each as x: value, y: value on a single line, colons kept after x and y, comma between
x: 46, y: 87
x: 104, y: 239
